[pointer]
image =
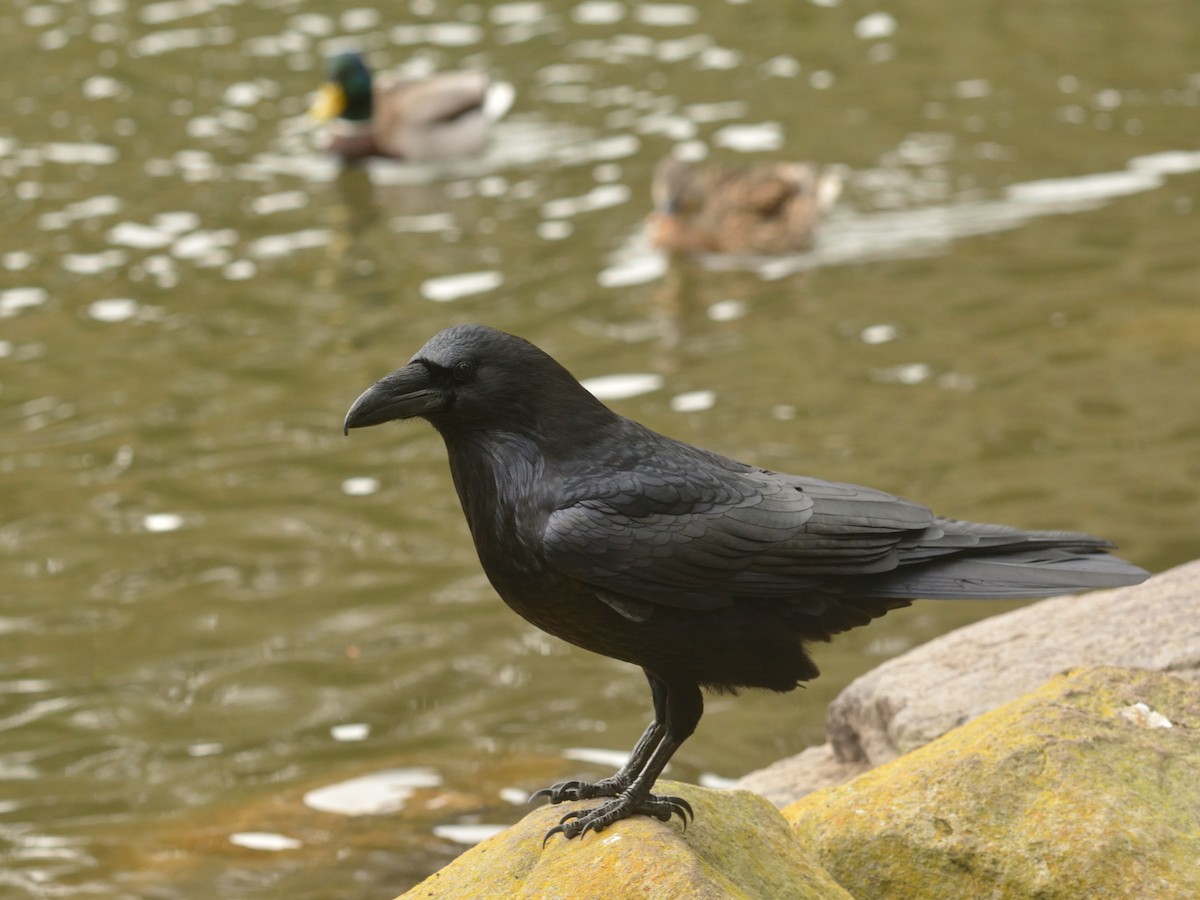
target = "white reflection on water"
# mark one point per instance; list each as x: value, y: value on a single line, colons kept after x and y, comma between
x: 1171, y: 162
x: 278, y: 202
x: 727, y: 310
x: 716, y: 782
x: 40, y: 859
x: 142, y: 237
x: 762, y: 136
x: 878, y: 334
x: 468, y: 834
x: 597, y: 756
x: 622, y: 387
x: 115, y: 309
x: 598, y: 12
x: 79, y: 154
x: 159, y: 42
x: 693, y: 401
x: 104, y: 205
x: 16, y: 299
x: 277, y: 245
x: 159, y: 522
x: 350, y: 732
x: 429, y: 223
x: 93, y: 263
x: 442, y: 34
x: 514, y: 795
x: 205, y: 246
x: 240, y: 270
x: 372, y: 795
x: 16, y: 260
x: 1065, y: 194
x: 637, y: 269
x: 874, y: 26
x: 362, y: 486
x: 907, y: 373
x: 600, y: 197
x: 555, y: 231
x: 455, y: 287
x: 264, y: 840
x: 666, y: 14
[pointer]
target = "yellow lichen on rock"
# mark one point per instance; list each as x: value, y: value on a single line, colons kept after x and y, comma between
x: 1087, y: 787
x: 739, y: 846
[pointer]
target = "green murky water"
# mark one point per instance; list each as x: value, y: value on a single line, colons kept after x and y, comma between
x: 212, y: 604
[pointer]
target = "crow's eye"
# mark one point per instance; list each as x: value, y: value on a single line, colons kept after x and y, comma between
x: 463, y: 371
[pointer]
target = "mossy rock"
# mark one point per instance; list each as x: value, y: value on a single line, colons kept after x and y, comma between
x: 1078, y: 789
x: 738, y: 846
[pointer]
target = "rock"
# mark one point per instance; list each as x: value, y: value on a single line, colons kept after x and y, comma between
x: 738, y: 846
x: 790, y: 779
x: 908, y: 701
x: 912, y: 699
x: 1088, y: 787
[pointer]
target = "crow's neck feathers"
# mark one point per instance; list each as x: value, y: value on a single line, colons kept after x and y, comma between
x: 508, y: 455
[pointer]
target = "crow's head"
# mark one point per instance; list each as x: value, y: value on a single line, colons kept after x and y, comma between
x: 471, y: 378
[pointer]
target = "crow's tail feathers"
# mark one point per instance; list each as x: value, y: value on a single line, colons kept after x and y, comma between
x: 1005, y: 563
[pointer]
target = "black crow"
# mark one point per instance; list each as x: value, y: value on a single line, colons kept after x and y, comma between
x: 704, y: 571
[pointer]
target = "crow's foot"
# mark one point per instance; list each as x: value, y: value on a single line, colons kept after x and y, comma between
x: 575, y: 824
x: 580, y: 790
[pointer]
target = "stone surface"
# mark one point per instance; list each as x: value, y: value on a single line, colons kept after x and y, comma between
x: 912, y: 699
x: 739, y: 846
x: 1075, y: 790
x: 790, y: 779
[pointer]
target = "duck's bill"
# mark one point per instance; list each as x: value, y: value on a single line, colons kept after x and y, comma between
x: 330, y: 102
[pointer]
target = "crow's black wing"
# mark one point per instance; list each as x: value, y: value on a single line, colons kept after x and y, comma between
x: 709, y: 534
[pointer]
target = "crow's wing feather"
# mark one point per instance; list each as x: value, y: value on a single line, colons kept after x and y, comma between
x: 703, y: 537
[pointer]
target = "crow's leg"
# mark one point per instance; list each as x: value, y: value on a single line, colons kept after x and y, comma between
x: 638, y: 757
x: 613, y: 784
x: 678, y: 707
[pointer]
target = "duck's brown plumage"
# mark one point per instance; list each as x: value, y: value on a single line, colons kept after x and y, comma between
x: 765, y: 209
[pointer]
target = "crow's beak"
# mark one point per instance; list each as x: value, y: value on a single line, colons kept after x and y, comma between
x: 405, y: 393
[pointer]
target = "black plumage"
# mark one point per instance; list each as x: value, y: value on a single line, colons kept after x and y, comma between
x: 703, y: 571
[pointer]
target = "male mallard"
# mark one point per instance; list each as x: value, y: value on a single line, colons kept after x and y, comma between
x: 764, y: 209
x: 420, y: 120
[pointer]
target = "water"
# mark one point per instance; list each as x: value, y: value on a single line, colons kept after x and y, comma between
x: 213, y: 606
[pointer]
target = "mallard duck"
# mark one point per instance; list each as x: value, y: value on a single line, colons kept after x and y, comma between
x: 765, y: 209
x: 421, y: 120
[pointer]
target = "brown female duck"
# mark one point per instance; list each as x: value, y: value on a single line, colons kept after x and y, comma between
x: 765, y: 209
x: 419, y: 120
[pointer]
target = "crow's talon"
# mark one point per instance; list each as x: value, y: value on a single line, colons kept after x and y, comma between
x: 565, y: 791
x: 681, y: 807
x: 579, y: 822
